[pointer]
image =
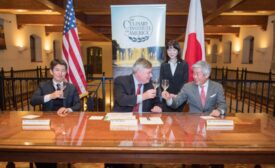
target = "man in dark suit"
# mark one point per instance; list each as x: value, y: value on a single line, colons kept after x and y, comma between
x: 56, y: 95
x: 202, y: 95
x: 135, y: 92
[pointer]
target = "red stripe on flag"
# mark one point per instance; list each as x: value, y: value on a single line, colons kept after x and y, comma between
x: 65, y: 55
x: 71, y: 72
x: 74, y: 33
x: 193, y: 53
x: 73, y: 56
x: 73, y: 80
x: 78, y: 69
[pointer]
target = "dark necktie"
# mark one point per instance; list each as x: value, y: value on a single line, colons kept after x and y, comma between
x: 58, y: 87
x: 136, y: 107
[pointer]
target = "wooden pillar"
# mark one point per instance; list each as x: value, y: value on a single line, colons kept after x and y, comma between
x: 273, y: 49
x: 2, y: 97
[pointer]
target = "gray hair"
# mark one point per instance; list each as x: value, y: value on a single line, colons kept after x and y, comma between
x: 141, y: 63
x: 204, y: 66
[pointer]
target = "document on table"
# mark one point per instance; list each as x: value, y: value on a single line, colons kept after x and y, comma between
x: 131, y: 122
x: 119, y: 116
x: 36, y: 122
x: 219, y: 122
x: 96, y: 117
x: 123, y: 127
x: 150, y: 121
x: 220, y: 127
x: 30, y: 116
x: 36, y: 127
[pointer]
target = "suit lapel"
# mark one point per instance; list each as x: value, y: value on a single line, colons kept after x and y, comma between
x: 131, y: 85
x: 197, y: 95
x: 168, y: 69
x: 177, y: 68
x: 209, y: 92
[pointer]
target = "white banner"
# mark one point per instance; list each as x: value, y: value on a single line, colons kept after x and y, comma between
x: 137, y: 31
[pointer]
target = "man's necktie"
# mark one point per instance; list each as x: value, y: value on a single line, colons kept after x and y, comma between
x: 203, y: 98
x: 136, y: 107
x: 58, y: 87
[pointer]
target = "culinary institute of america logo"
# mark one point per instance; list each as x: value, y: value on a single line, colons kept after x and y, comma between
x: 138, y: 28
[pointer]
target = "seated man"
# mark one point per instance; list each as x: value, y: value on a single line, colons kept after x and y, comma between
x: 202, y: 95
x: 135, y: 92
x: 56, y: 95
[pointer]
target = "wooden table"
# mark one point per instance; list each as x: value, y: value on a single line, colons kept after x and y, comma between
x: 183, y: 138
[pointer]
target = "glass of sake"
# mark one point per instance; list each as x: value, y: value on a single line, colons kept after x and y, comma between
x: 165, y: 84
x: 155, y: 83
x: 62, y: 89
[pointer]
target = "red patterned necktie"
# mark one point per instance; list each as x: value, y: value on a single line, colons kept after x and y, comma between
x: 135, y: 109
x: 202, y: 96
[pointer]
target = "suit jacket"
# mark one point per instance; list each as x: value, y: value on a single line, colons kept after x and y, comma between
x: 176, y: 82
x: 214, y: 98
x: 125, y: 95
x: 70, y: 93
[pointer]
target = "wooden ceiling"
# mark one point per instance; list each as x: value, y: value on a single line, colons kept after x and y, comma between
x: 221, y: 17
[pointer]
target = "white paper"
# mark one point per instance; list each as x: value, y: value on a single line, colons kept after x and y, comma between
x: 219, y: 122
x: 120, y: 116
x: 207, y: 117
x: 96, y: 117
x: 150, y: 121
x: 123, y: 127
x: 36, y: 122
x: 124, y: 122
x: 220, y: 127
x: 36, y: 127
x: 30, y: 116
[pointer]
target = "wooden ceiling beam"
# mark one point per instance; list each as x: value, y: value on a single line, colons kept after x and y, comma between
x: 255, y: 5
x: 39, y: 19
x: 207, y: 37
x: 224, y: 7
x: 80, y: 23
x: 240, y: 20
x: 221, y: 30
x: 22, y: 4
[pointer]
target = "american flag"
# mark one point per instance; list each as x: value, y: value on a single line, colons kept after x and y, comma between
x: 71, y: 50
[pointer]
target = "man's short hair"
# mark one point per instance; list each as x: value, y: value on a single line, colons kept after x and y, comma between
x: 56, y: 62
x: 141, y: 63
x: 205, y: 67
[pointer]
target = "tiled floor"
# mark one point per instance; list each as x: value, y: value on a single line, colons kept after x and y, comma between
x: 101, y: 165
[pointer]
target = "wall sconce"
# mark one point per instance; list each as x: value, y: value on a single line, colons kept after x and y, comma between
x: 220, y: 53
x: 21, y: 48
x: 236, y: 52
x: 261, y: 50
x: 48, y: 51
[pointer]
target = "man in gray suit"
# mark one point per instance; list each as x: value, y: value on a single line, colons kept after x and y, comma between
x: 202, y: 95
